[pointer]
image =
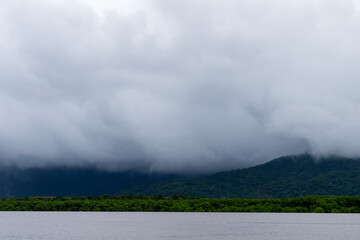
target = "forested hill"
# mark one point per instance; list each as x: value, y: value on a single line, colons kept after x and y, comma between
x: 288, y: 176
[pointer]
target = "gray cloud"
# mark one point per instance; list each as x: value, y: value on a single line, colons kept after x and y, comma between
x: 179, y: 85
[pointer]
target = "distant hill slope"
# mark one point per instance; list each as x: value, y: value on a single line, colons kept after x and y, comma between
x: 288, y: 176
x: 70, y: 181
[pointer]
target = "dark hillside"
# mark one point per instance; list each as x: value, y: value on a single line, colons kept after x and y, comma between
x: 66, y: 181
x: 289, y: 176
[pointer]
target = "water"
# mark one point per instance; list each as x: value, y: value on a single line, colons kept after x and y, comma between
x: 190, y: 226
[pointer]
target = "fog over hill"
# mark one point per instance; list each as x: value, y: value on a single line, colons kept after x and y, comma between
x: 71, y: 181
x: 177, y: 86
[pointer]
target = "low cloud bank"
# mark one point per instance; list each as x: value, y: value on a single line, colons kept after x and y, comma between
x: 177, y: 86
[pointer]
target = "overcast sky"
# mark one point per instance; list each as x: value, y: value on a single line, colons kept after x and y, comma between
x: 177, y: 85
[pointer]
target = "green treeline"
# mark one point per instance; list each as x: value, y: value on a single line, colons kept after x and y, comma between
x: 329, y: 204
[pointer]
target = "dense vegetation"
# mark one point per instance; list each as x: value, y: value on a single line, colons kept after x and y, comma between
x: 291, y: 176
x: 329, y: 204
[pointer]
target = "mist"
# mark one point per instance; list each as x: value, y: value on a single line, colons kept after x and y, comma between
x: 177, y: 86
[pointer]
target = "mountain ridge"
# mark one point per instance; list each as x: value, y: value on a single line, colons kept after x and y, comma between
x: 288, y: 176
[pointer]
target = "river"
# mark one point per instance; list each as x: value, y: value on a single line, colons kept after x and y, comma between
x: 189, y: 226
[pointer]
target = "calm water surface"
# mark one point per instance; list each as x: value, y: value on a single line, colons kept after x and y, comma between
x: 207, y: 226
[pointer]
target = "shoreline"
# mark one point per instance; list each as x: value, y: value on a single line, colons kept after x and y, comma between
x: 128, y: 203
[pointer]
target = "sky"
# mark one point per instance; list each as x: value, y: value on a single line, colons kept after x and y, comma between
x: 177, y: 86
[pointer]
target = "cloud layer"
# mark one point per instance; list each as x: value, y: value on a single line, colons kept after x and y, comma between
x: 178, y: 85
